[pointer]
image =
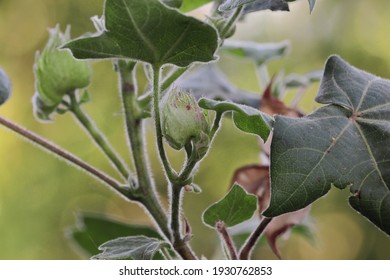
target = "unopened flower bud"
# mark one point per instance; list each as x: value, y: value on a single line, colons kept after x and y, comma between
x: 57, y: 72
x: 183, y: 121
x: 5, y: 87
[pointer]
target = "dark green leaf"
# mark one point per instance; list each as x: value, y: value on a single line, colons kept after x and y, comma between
x: 246, y: 118
x: 255, y: 5
x: 93, y: 230
x: 345, y: 144
x: 135, y: 247
x: 236, y: 207
x: 259, y: 53
x: 149, y: 31
x: 208, y: 81
x: 189, y: 5
x: 5, y: 87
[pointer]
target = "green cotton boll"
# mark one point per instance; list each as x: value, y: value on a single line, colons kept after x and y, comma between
x: 183, y: 121
x: 5, y: 87
x: 57, y: 72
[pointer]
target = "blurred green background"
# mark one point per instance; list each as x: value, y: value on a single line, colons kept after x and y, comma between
x: 40, y: 196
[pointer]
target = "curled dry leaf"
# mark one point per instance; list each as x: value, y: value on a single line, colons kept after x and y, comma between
x: 273, y: 106
x: 255, y: 180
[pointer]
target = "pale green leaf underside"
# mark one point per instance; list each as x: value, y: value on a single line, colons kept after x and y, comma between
x: 149, y: 31
x: 255, y: 5
x: 258, y: 52
x: 5, y: 87
x: 92, y: 230
x: 312, y: 4
x: 346, y: 143
x: 236, y: 207
x: 245, y: 118
x: 135, y: 247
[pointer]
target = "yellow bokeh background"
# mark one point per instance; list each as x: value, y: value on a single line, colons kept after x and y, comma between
x: 40, y: 195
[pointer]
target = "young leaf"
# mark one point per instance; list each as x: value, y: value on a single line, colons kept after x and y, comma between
x: 236, y: 207
x: 92, y: 230
x: 135, y: 247
x: 149, y: 31
x: 245, y: 118
x: 259, y: 53
x: 345, y: 144
x: 255, y: 5
x: 5, y: 87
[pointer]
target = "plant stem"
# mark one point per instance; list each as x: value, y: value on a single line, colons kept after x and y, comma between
x: 98, y: 137
x: 179, y: 244
x: 220, y: 226
x: 232, y: 20
x: 67, y: 156
x: 134, y: 127
x: 247, y: 248
x: 171, y: 174
x: 173, y: 77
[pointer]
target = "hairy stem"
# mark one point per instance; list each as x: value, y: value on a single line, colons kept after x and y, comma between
x: 67, y: 156
x: 247, y: 249
x: 179, y: 244
x: 98, y: 137
x: 220, y: 226
x: 134, y: 127
x: 232, y: 20
x: 171, y: 174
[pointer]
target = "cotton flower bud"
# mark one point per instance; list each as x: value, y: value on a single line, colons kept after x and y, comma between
x: 183, y: 121
x: 57, y: 72
x: 5, y: 87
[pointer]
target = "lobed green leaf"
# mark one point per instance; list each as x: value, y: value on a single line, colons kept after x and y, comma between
x: 236, y: 207
x: 345, y: 144
x: 247, y: 119
x: 149, y: 31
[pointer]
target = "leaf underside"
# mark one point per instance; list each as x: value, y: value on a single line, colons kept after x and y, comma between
x: 255, y: 5
x: 93, y: 230
x: 236, y: 207
x: 135, y: 247
x: 149, y: 31
x: 345, y: 144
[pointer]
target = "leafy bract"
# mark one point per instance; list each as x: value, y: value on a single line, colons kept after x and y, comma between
x: 236, y: 207
x: 245, y: 118
x: 5, y: 87
x: 135, y: 247
x: 345, y: 144
x: 93, y: 229
x: 258, y: 52
x: 149, y: 31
